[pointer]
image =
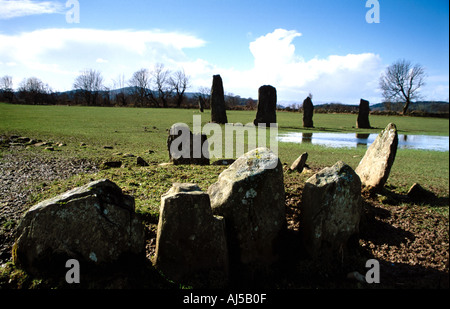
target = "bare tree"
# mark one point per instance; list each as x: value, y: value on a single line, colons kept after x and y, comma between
x: 89, y: 83
x: 203, y: 96
x: 232, y: 100
x: 179, y: 82
x: 401, y: 82
x: 119, y: 95
x: 6, y: 88
x: 33, y: 90
x: 141, y: 83
x: 161, y: 78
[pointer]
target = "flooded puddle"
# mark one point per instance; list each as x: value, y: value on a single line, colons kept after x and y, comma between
x: 352, y: 140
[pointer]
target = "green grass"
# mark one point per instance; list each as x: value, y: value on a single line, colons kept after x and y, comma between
x: 136, y: 131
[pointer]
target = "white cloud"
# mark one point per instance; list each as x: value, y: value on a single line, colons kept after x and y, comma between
x: 18, y: 8
x: 344, y: 78
x: 57, y: 55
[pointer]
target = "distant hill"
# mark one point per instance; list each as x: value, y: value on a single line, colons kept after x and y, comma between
x: 420, y: 106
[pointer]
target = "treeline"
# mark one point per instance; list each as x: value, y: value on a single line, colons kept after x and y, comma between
x: 158, y: 87
x: 419, y: 106
x: 420, y: 109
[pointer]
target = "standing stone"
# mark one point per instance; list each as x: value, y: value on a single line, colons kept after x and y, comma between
x: 419, y: 194
x: 190, y: 239
x: 299, y: 164
x: 331, y: 211
x: 363, y: 115
x: 250, y: 196
x: 187, y: 148
x: 218, y: 111
x: 308, y: 111
x: 267, y: 106
x: 95, y: 224
x: 376, y: 164
x: 141, y: 162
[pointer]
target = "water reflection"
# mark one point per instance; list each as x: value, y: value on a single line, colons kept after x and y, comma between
x: 350, y: 140
x: 362, y: 139
x: 307, y: 138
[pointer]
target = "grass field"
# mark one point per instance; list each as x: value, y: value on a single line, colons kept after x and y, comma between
x: 143, y: 132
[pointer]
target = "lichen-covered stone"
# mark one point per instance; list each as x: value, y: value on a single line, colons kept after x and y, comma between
x: 330, y: 211
x: 250, y: 196
x: 190, y: 239
x: 95, y: 224
x: 299, y: 164
x: 376, y: 164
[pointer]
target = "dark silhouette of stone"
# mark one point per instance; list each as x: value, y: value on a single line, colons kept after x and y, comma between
x: 418, y: 194
x: 218, y: 110
x: 308, y: 111
x: 267, y: 106
x: 141, y: 162
x: 189, y: 148
x: 190, y: 241
x: 363, y: 115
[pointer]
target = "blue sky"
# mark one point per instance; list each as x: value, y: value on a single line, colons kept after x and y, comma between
x: 323, y: 47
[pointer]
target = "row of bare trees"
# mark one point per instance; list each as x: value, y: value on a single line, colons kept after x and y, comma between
x: 160, y: 87
x: 156, y: 87
x: 31, y: 90
x: 146, y: 88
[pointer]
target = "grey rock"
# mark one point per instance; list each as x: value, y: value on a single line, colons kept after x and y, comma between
x: 377, y: 162
x: 190, y: 239
x: 250, y: 195
x: 331, y: 211
x: 95, y: 224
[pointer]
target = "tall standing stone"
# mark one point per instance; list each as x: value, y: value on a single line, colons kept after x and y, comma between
x: 190, y: 241
x: 363, y: 115
x: 376, y: 164
x: 308, y: 111
x: 250, y: 196
x: 218, y: 110
x: 330, y: 211
x: 267, y: 106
